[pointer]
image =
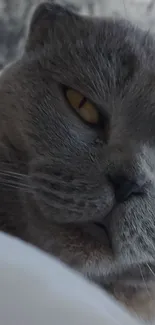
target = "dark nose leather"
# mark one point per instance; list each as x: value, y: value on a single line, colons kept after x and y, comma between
x: 124, y: 187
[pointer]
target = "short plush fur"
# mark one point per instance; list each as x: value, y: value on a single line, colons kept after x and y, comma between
x: 85, y: 194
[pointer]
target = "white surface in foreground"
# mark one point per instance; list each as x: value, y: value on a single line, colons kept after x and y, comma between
x: 37, y: 289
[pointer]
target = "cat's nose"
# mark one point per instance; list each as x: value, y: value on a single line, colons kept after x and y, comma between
x: 124, y: 187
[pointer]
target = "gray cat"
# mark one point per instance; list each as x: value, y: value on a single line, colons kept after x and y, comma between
x: 77, y: 121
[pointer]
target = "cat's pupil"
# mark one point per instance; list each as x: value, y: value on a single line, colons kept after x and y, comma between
x: 86, y: 110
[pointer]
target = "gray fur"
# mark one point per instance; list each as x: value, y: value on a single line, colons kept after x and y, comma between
x: 15, y: 16
x: 56, y: 171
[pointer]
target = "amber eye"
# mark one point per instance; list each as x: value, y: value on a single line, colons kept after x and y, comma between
x: 83, y: 107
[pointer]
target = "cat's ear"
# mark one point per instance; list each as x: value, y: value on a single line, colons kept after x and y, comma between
x: 42, y: 22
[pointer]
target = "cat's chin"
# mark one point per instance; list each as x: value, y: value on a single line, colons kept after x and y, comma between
x: 100, y: 232
x: 135, y: 287
x: 138, y: 300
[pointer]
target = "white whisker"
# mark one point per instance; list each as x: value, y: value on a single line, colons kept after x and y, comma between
x: 12, y: 174
x: 144, y: 281
x: 14, y: 180
x: 149, y: 267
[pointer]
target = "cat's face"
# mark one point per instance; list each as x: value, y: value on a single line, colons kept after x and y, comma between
x: 95, y: 173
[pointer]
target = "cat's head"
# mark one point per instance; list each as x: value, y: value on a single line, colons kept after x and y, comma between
x: 78, y: 116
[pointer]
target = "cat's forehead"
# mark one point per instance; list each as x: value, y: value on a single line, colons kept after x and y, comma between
x: 55, y: 24
x: 91, y: 53
x: 66, y: 36
x: 97, y: 35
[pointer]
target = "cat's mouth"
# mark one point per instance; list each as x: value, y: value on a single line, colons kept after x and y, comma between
x: 101, y: 226
x: 106, y: 232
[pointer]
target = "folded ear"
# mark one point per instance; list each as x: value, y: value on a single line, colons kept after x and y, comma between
x: 41, y: 24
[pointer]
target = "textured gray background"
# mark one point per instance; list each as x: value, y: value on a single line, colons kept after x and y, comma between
x: 14, y: 17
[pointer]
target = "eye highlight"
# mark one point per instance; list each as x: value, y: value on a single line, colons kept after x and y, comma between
x: 82, y: 106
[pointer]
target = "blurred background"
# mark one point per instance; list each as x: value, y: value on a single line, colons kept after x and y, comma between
x: 15, y: 15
